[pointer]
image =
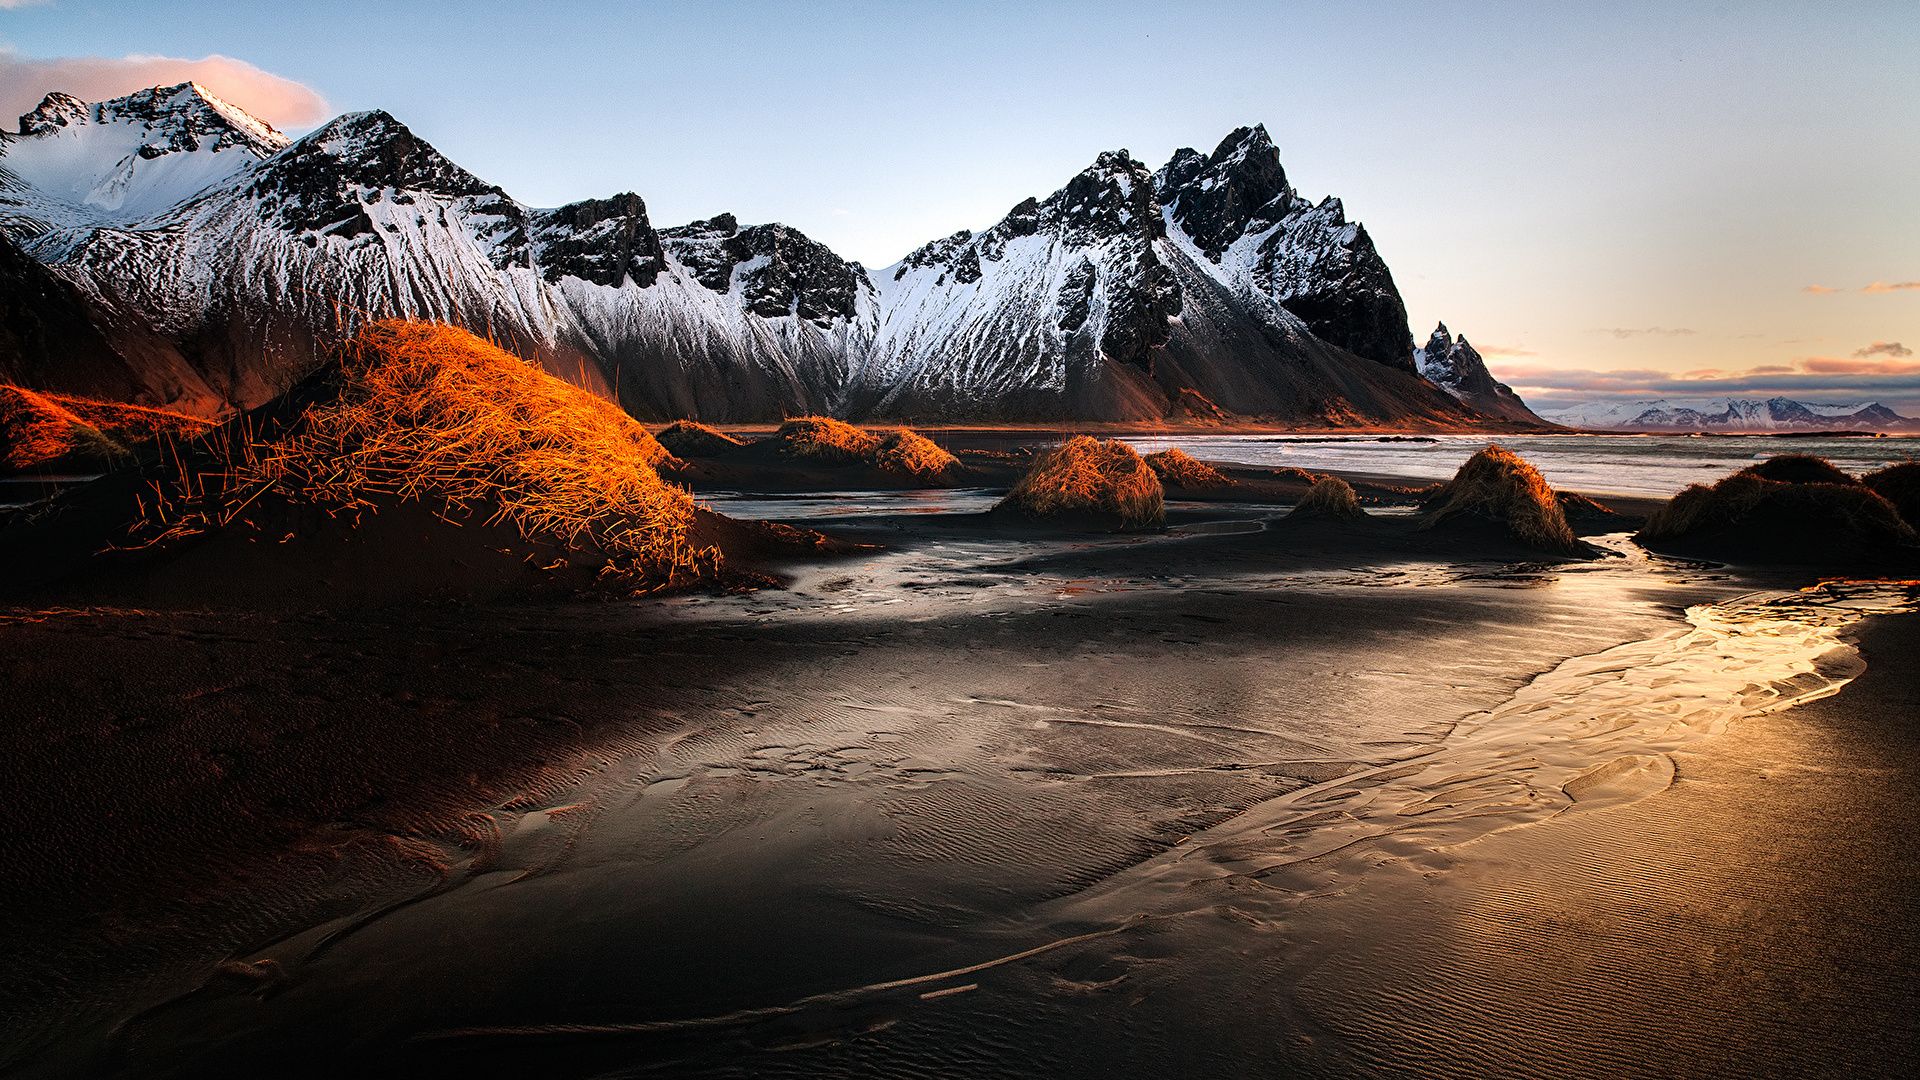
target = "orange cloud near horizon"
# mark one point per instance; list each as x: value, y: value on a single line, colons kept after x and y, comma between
x: 1890, y: 286
x: 280, y: 101
x: 1837, y: 365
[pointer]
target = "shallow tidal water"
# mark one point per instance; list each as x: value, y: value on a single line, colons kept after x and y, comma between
x: 1644, y: 465
x: 954, y: 808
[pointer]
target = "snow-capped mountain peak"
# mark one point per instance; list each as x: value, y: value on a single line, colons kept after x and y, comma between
x: 366, y: 171
x: 224, y: 286
x: 778, y: 270
x: 1731, y: 414
x: 1236, y: 209
x: 1218, y: 198
x: 124, y: 161
x: 603, y: 241
x: 1454, y: 365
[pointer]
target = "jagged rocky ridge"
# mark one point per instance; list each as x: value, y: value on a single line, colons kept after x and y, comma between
x: 220, y: 260
x: 1455, y: 366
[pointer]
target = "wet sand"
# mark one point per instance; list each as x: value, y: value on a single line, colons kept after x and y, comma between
x: 1241, y: 798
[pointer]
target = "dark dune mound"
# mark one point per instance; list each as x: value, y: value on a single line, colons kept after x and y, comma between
x: 46, y: 431
x: 900, y: 451
x: 1747, y: 517
x: 1799, y: 469
x: 1499, y: 488
x: 424, y: 462
x: 691, y: 439
x: 1088, y: 483
x: 1329, y: 497
x: 1899, y: 485
x: 1177, y: 468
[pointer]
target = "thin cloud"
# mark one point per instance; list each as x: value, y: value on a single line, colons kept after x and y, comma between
x: 10, y: 5
x: 1818, y: 290
x: 1890, y: 286
x: 1813, y: 377
x: 1884, y: 348
x: 1645, y: 331
x: 1834, y: 365
x: 1504, y: 350
x: 280, y: 101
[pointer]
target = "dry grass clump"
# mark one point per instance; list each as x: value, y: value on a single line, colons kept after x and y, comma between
x: 907, y: 451
x: 1499, y: 485
x: 1799, y: 469
x: 1749, y: 515
x: 1089, y: 479
x: 37, y: 428
x: 826, y: 439
x: 430, y: 412
x: 1329, y: 497
x: 1175, y: 466
x: 1900, y: 485
x: 690, y: 439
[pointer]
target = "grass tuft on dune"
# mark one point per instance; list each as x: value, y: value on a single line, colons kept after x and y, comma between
x: 1090, y: 480
x: 692, y: 439
x: 425, y: 411
x: 1790, y: 509
x: 1900, y: 485
x: 907, y: 451
x: 1500, y: 486
x: 903, y: 451
x: 1177, y: 468
x: 1329, y: 497
x: 38, y: 428
x: 1799, y: 469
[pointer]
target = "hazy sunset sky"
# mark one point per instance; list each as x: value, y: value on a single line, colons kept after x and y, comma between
x: 1607, y: 199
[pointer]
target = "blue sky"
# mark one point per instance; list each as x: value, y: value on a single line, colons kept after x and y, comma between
x: 1639, y: 188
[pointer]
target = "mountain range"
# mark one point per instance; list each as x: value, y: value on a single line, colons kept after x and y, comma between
x: 1730, y: 414
x: 169, y: 248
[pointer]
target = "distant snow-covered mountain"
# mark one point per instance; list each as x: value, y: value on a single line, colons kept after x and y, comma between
x: 1729, y: 414
x: 221, y: 260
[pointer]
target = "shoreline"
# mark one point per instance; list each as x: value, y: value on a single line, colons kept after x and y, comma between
x: 696, y: 805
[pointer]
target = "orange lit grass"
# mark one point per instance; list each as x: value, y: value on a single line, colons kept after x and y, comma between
x: 1085, y: 476
x: 1500, y: 485
x: 1330, y: 497
x: 688, y: 438
x: 900, y: 450
x: 1794, y: 487
x: 1175, y: 466
x: 428, y: 411
x: 37, y: 427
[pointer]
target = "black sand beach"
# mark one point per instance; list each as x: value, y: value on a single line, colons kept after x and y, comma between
x: 1336, y: 798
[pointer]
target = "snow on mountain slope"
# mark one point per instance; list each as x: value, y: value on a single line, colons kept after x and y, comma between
x: 1057, y: 307
x: 739, y: 324
x: 1730, y: 414
x: 1086, y: 304
x: 1237, y: 210
x: 1456, y: 367
x: 223, y: 262
x: 75, y: 166
x: 362, y: 219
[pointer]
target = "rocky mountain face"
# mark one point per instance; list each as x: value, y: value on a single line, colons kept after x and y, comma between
x: 1456, y: 367
x: 1731, y: 415
x: 1237, y: 209
x: 50, y: 335
x: 222, y: 261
